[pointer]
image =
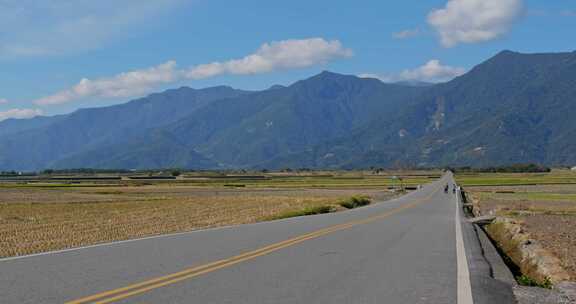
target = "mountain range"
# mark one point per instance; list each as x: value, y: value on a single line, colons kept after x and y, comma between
x: 512, y: 108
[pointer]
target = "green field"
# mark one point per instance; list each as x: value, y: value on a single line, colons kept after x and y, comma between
x: 331, y: 180
x: 516, y: 179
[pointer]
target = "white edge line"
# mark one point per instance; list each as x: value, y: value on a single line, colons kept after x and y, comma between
x: 464, y: 288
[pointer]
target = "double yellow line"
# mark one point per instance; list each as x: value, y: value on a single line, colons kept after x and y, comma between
x: 138, y: 288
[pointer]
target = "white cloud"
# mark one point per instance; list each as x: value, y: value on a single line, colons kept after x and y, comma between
x: 410, y: 33
x: 473, y: 21
x: 55, y: 26
x: 569, y: 13
x: 20, y: 113
x: 287, y: 54
x: 122, y: 85
x: 375, y: 76
x: 432, y: 71
x: 3, y: 100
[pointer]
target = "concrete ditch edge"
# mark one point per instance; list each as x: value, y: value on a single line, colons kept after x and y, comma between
x: 486, y: 289
x: 564, y: 292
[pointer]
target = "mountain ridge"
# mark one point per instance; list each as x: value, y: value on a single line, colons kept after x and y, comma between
x: 471, y: 132
x: 511, y: 108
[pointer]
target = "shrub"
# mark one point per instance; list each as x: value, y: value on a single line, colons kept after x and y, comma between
x: 355, y: 202
x: 528, y: 281
x: 304, y: 212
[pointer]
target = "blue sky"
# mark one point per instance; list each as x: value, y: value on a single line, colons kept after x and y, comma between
x: 48, y: 46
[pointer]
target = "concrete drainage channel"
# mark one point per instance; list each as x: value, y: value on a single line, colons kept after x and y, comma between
x: 511, y: 256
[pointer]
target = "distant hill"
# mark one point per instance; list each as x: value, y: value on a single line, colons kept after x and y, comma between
x: 153, y: 149
x: 12, y: 125
x: 252, y: 128
x: 513, y: 108
x: 42, y: 142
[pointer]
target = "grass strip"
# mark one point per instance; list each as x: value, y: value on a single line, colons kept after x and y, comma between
x: 355, y: 202
x: 349, y: 203
x: 304, y: 212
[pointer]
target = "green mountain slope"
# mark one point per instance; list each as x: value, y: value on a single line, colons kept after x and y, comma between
x: 512, y: 108
x: 253, y: 128
x: 154, y: 149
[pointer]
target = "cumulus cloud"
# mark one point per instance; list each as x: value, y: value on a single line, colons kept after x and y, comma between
x: 287, y: 54
x: 405, y: 34
x: 473, y: 21
x: 432, y: 71
x: 20, y: 113
x: 3, y: 100
x: 50, y: 27
x: 122, y: 85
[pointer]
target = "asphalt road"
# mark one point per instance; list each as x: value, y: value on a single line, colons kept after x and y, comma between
x: 414, y: 249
